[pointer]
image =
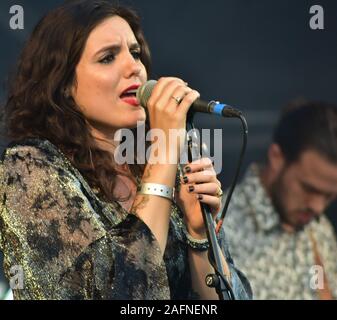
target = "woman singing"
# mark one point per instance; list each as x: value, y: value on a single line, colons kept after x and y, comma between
x: 79, y: 224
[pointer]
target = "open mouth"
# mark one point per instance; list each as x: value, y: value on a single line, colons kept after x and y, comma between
x: 306, y: 217
x: 129, y: 96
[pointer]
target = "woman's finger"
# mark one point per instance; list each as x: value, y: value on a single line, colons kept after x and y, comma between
x: 213, y: 202
x: 211, y: 188
x: 161, y: 86
x: 198, y: 165
x: 187, y: 102
x: 173, y: 95
x: 200, y: 177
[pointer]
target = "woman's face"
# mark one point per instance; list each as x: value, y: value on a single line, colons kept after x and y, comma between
x: 110, y: 65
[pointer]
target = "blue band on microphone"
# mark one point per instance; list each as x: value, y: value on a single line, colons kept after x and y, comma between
x: 218, y: 108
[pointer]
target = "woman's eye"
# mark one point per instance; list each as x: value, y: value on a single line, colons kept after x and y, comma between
x: 107, y: 59
x: 136, y: 55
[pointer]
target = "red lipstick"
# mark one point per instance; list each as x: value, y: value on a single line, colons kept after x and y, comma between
x: 129, y: 95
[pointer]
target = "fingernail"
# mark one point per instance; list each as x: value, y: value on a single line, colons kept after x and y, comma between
x: 185, y: 179
x: 190, y: 188
x: 199, y: 197
x: 188, y: 169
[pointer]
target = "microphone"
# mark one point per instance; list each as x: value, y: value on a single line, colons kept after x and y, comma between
x: 213, y: 107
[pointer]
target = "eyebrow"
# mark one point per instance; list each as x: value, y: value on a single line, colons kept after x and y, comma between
x: 117, y: 48
x: 316, y: 190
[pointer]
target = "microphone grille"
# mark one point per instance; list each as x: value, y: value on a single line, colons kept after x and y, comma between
x: 144, y: 92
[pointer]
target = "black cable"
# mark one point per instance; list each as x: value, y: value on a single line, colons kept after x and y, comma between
x: 238, y: 168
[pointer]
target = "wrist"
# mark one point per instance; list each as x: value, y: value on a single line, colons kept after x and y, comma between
x: 198, y: 235
x: 195, y: 243
x: 169, y: 153
x: 156, y: 189
x: 197, y: 232
x: 160, y: 173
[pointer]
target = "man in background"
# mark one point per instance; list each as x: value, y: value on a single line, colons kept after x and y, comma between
x: 276, y: 227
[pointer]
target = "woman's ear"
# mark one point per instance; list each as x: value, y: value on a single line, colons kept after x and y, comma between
x: 276, y: 159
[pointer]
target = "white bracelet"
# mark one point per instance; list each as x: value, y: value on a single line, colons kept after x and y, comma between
x: 155, y: 189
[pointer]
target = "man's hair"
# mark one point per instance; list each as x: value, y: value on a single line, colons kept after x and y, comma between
x: 308, y: 126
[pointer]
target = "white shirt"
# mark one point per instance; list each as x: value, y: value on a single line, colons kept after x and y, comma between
x: 279, y: 265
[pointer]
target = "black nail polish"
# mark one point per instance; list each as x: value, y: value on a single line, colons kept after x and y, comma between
x: 190, y: 188
x: 188, y: 169
x: 185, y: 179
x: 199, y: 197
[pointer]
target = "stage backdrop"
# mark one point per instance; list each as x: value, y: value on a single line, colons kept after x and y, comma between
x: 257, y: 55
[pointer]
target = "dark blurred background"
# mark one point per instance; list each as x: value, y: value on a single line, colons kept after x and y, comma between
x: 257, y: 55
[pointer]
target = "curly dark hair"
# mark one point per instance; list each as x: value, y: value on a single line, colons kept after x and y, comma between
x: 37, y: 106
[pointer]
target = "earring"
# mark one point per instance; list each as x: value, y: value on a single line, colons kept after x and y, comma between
x: 66, y: 93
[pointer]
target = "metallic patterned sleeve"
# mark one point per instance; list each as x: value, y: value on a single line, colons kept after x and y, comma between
x: 239, y: 282
x: 50, y: 230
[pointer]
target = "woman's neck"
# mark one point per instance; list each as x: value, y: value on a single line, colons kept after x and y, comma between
x: 105, y: 138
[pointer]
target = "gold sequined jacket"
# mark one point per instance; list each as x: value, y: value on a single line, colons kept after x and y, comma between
x: 69, y: 244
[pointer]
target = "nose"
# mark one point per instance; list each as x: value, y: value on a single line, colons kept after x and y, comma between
x: 317, y: 204
x: 132, y: 66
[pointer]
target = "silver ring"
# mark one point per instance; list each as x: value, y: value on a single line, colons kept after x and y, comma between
x: 177, y: 99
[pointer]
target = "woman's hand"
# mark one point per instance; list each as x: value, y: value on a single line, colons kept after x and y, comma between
x: 168, y: 105
x: 199, y: 183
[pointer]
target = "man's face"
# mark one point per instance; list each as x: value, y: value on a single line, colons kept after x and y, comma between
x: 303, y: 189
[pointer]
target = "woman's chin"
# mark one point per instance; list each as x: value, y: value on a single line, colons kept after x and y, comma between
x: 141, y: 117
x: 135, y: 124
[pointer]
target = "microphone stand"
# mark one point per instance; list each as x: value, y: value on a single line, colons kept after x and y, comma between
x: 219, y: 279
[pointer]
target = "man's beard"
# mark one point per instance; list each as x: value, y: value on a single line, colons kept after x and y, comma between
x: 277, y: 191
